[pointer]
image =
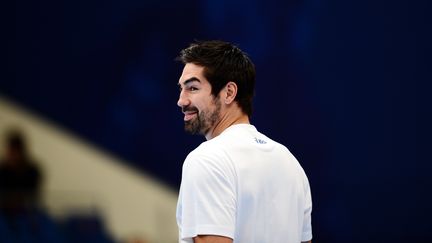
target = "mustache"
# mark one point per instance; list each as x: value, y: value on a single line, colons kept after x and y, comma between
x: 189, y: 108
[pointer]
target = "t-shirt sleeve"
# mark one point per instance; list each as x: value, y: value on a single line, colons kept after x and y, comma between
x: 307, y: 224
x: 207, y: 197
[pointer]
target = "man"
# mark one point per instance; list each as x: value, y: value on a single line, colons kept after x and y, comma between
x: 238, y: 186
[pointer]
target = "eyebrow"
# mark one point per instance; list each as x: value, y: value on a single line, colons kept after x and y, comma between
x: 189, y: 81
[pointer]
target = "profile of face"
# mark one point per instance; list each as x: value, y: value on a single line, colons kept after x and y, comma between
x: 200, y: 108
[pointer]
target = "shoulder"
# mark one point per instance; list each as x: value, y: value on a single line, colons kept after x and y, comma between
x: 207, y: 154
x: 211, y: 158
x: 215, y: 148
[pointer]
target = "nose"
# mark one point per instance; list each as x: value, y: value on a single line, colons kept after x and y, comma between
x: 183, y: 100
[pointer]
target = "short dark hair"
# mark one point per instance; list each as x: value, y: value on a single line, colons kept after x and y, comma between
x: 224, y: 62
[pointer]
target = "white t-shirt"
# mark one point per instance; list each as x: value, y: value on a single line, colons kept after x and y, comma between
x: 244, y: 186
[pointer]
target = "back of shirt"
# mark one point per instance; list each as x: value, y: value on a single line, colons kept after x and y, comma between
x: 253, y: 190
x: 273, y: 196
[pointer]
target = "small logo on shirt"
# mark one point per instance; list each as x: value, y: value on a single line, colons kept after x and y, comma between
x: 260, y: 141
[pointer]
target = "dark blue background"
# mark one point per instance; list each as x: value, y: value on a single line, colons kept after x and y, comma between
x: 337, y: 83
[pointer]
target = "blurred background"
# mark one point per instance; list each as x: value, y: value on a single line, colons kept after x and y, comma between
x: 90, y: 87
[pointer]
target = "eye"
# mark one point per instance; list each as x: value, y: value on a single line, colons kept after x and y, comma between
x: 192, y: 88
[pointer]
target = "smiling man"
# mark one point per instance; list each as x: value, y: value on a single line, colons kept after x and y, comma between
x: 238, y: 186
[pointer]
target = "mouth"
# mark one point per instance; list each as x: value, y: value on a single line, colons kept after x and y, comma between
x: 188, y: 115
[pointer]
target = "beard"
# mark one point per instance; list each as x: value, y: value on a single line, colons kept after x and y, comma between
x: 204, y: 121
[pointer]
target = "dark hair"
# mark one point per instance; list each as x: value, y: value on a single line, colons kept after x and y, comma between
x: 224, y: 62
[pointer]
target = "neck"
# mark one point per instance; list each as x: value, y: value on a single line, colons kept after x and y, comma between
x: 229, y: 118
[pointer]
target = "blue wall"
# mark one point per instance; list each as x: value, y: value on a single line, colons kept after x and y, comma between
x: 337, y: 83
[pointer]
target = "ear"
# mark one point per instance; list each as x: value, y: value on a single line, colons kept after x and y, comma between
x: 230, y: 92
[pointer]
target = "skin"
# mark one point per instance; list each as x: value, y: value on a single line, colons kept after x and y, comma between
x: 208, y: 115
x: 197, y: 102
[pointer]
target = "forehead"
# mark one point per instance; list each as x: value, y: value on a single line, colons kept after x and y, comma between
x: 191, y: 70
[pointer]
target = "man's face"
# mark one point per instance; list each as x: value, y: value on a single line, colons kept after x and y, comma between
x: 201, y: 110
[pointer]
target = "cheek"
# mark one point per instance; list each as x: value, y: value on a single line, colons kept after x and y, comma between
x: 202, y: 103
x: 199, y: 104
